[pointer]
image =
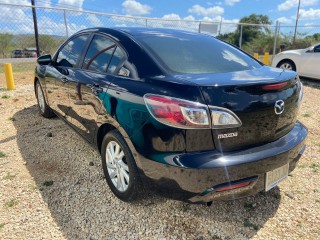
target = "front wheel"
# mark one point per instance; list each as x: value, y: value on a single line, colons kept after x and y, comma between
x: 119, y: 167
x: 287, y: 65
x: 44, y: 109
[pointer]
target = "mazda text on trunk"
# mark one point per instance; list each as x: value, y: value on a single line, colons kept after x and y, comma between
x: 180, y: 113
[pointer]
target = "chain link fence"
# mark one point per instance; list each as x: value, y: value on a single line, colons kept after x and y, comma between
x: 17, y: 38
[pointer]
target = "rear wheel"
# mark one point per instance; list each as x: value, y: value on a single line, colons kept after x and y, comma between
x: 119, y: 167
x: 287, y: 64
x: 44, y: 109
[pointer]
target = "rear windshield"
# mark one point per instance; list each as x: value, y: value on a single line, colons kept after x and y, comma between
x: 192, y: 53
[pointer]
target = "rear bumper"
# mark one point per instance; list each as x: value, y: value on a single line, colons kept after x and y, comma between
x: 188, y: 176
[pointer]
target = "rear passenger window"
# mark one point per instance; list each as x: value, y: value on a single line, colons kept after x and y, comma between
x: 99, y: 54
x: 117, y: 58
x: 70, y: 53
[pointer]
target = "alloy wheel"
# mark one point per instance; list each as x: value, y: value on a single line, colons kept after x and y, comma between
x: 286, y: 66
x: 41, y: 101
x: 117, y: 167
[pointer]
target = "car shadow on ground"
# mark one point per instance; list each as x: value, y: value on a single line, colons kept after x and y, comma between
x: 68, y: 174
x: 310, y: 82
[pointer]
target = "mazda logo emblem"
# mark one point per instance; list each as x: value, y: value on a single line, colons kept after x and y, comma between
x: 279, y: 107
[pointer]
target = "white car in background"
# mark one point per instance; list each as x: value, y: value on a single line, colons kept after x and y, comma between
x: 306, y: 62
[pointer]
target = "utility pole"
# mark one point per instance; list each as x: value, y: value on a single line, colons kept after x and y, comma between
x: 35, y: 24
x: 295, y: 29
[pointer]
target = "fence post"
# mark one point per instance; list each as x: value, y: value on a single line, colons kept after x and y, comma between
x: 220, y: 26
x: 199, y: 30
x: 275, y: 39
x: 146, y: 22
x: 65, y: 22
x: 240, y: 38
x: 35, y: 25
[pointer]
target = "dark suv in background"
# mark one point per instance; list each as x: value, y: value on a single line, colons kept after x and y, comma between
x: 184, y: 113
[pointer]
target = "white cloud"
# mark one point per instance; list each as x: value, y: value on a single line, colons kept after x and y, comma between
x: 19, y: 2
x: 94, y: 20
x: 47, y: 3
x: 311, y: 14
x: 284, y: 20
x: 190, y: 18
x: 171, y: 16
x: 133, y: 7
x: 174, y: 16
x: 231, y: 2
x: 77, y: 4
x: 206, y: 12
x: 288, y: 4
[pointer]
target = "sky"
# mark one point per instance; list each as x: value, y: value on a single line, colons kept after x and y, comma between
x: 229, y: 11
x: 283, y: 10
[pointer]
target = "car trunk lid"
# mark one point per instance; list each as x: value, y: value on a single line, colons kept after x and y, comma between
x: 252, y: 95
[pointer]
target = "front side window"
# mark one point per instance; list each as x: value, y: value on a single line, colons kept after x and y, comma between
x: 190, y: 53
x: 70, y: 53
x: 99, y: 54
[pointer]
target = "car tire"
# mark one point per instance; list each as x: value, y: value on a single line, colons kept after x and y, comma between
x: 287, y: 64
x: 119, y: 167
x: 43, y: 107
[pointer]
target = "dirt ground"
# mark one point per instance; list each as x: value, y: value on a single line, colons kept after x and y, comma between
x: 52, y: 187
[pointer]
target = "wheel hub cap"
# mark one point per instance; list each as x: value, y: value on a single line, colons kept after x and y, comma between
x: 117, y: 167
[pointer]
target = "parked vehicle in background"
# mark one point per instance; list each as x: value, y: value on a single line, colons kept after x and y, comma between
x: 190, y: 116
x: 17, y: 53
x: 304, y: 61
x: 30, y: 52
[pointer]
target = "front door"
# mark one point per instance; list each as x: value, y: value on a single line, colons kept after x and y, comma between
x: 61, y: 72
x: 310, y: 63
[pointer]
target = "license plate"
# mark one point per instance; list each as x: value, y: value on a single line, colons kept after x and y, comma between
x: 274, y: 177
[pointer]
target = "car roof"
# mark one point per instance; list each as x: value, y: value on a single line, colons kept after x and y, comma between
x: 141, y: 32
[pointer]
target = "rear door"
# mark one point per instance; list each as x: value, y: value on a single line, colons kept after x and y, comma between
x: 310, y: 63
x: 91, y: 82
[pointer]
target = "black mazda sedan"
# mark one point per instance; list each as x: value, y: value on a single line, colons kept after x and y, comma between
x: 181, y: 113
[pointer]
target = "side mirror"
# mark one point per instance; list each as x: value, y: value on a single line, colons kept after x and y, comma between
x: 44, y: 59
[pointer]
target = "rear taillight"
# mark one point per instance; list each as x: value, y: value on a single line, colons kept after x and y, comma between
x: 224, y: 118
x: 177, y: 112
x: 186, y: 114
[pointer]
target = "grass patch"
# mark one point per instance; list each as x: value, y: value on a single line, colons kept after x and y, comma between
x: 2, y: 225
x: 48, y: 183
x: 306, y: 115
x: 5, y: 96
x: 11, y: 203
x: 314, y: 167
x: 12, y: 119
x: 9, y: 176
x: 2, y: 89
x: 21, y: 67
x: 315, y: 190
x: 2, y: 154
x: 249, y: 224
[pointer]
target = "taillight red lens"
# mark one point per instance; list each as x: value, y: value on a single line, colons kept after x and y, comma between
x: 177, y: 112
x: 274, y: 86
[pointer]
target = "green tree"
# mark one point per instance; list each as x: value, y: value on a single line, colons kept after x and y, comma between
x: 250, y: 33
x: 5, y: 43
x: 48, y: 44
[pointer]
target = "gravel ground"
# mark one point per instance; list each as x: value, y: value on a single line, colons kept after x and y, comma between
x: 52, y: 187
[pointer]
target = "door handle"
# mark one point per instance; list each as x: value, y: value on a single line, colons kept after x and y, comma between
x: 64, y: 79
x: 96, y: 89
